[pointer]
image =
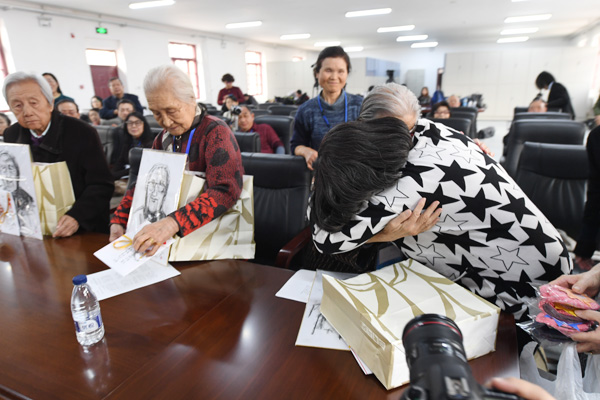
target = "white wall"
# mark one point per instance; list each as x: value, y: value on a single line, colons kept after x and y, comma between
x: 60, y: 49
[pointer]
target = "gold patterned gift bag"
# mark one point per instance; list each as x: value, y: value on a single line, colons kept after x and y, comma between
x: 54, y: 193
x: 370, y: 311
x: 229, y: 236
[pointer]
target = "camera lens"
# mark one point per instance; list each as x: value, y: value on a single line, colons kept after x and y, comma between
x: 429, y: 337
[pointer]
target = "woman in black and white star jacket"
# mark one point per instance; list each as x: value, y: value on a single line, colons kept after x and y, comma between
x: 490, y: 237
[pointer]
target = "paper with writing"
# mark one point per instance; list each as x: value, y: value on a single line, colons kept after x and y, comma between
x: 109, y: 283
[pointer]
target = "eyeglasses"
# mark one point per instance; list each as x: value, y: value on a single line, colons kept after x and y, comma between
x: 134, y: 123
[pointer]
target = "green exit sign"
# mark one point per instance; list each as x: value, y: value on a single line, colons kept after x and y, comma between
x: 101, y: 30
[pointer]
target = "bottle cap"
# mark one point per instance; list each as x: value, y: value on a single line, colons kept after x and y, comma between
x: 79, y: 279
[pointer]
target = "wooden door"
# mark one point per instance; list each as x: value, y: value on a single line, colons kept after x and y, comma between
x: 100, y: 76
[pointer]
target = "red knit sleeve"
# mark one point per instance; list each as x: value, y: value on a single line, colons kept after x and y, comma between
x: 221, y: 96
x: 224, y: 173
x: 121, y: 215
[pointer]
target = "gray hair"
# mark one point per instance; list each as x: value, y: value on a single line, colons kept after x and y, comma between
x: 172, y: 78
x: 20, y: 76
x: 389, y: 100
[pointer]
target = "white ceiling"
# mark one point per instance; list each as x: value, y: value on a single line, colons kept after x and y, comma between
x: 449, y: 22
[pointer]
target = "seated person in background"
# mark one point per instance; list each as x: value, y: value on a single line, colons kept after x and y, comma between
x: 94, y: 116
x: 56, y: 91
x: 68, y: 107
x: 228, y: 90
x: 558, y: 96
x: 124, y: 108
x: 96, y: 102
x: 454, y: 101
x: 135, y: 133
x: 109, y: 105
x: 233, y: 110
x: 490, y: 237
x: 250, y: 100
x: 300, y: 97
x: 213, y: 150
x: 53, y: 137
x: 269, y: 141
x: 4, y: 123
x: 585, y: 283
x: 538, y: 106
x: 441, y: 110
x: 424, y: 98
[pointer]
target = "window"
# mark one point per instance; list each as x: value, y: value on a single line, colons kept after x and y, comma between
x: 254, y: 73
x: 184, y: 56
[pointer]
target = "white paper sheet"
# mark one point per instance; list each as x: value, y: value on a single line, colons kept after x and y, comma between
x: 361, y: 364
x: 297, y: 288
x: 120, y: 256
x: 109, y: 283
x: 315, y: 331
x: 9, y: 223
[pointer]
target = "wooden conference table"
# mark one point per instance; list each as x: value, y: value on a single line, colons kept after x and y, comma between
x: 217, y: 331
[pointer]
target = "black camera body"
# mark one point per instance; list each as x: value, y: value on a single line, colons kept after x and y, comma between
x: 236, y: 110
x: 438, y: 365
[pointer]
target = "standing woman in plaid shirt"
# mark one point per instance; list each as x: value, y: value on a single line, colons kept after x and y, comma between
x: 211, y: 148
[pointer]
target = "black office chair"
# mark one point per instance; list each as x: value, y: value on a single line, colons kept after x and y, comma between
x: 541, y: 115
x: 283, y: 126
x: 293, y: 114
x: 281, y: 190
x: 109, y: 138
x: 135, y: 158
x: 156, y: 130
x: 554, y: 177
x: 152, y: 121
x: 249, y: 142
x: 540, y: 131
x: 519, y: 110
x: 266, y: 106
x: 257, y: 112
x: 282, y: 110
x: 459, y: 112
x: 460, y: 124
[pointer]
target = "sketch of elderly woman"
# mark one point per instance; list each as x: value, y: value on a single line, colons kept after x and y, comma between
x: 157, y: 185
x: 9, y: 181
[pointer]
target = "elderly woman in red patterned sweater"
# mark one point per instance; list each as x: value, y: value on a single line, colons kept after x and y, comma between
x: 213, y: 150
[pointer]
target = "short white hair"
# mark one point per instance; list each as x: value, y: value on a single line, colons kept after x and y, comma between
x: 172, y: 78
x: 20, y: 76
x: 390, y: 100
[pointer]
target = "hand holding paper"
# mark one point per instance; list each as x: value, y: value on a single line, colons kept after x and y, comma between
x: 121, y: 256
x: 158, y: 232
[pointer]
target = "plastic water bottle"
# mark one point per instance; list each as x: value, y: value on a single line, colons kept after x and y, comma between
x: 86, y: 313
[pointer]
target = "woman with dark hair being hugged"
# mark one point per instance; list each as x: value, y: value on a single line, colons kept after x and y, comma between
x: 333, y: 105
x: 558, y: 96
x: 136, y: 133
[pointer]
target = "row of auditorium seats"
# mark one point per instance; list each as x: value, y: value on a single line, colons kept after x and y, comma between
x: 280, y: 200
x: 462, y: 119
x: 546, y: 156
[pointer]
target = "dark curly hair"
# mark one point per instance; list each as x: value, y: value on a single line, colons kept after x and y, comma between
x: 331, y: 52
x: 544, y: 79
x: 227, y: 78
x: 356, y: 160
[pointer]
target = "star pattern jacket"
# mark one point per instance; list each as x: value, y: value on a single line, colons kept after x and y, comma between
x: 490, y: 238
x: 213, y: 150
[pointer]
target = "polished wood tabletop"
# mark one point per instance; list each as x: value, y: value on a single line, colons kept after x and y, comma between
x: 217, y: 331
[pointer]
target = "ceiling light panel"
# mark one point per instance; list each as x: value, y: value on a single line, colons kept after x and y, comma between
x: 411, y: 38
x: 249, y: 24
x: 423, y: 44
x: 528, y: 18
x: 400, y: 28
x: 514, y: 39
x: 295, y: 36
x: 368, y: 13
x: 150, y: 4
